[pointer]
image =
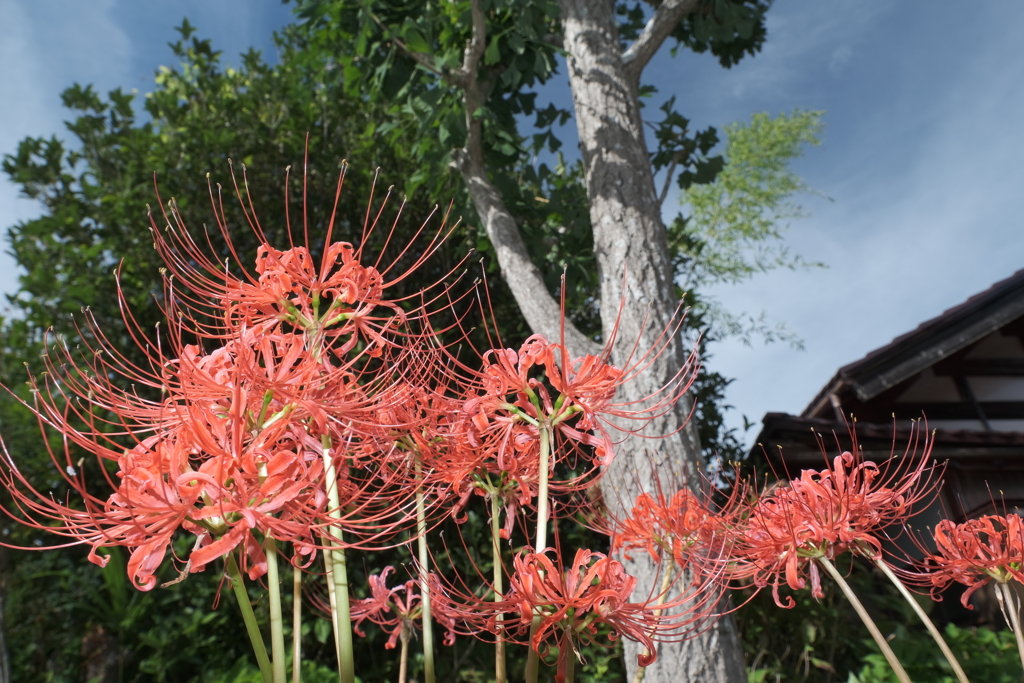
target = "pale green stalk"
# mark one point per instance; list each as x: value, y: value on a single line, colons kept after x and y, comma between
x: 499, y: 643
x: 883, y: 645
x: 296, y: 622
x: 276, y: 616
x: 1011, y: 611
x: 421, y: 541
x: 253, y: 629
x: 342, y: 615
x: 936, y: 636
x: 570, y: 660
x: 533, y: 659
x: 542, y: 489
x: 332, y: 597
x: 273, y: 576
x: 403, y: 662
x: 666, y: 583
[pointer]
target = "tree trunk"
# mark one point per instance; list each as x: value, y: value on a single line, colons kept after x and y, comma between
x: 629, y: 234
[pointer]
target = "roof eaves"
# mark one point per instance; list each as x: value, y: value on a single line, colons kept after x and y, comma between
x: 927, y: 352
x: 925, y: 345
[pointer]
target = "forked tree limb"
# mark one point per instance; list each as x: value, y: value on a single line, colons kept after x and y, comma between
x: 542, y: 312
x: 540, y: 309
x: 658, y: 28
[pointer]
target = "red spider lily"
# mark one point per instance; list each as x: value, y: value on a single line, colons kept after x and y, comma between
x: 585, y: 388
x: 826, y: 513
x: 396, y: 610
x: 233, y: 449
x: 213, y: 475
x: 339, y: 302
x: 519, y: 394
x: 571, y: 605
x: 973, y: 553
x: 232, y: 454
x: 684, y: 526
x: 390, y: 608
x: 506, y: 374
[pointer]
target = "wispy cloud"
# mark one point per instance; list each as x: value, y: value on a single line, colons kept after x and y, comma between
x: 922, y: 157
x: 46, y: 45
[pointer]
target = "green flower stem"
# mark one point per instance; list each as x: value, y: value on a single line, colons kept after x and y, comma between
x: 342, y: 616
x: 1011, y: 611
x: 950, y: 657
x: 666, y: 583
x: 253, y: 629
x: 332, y: 597
x: 542, y: 489
x: 499, y: 590
x: 570, y: 659
x: 403, y: 662
x: 533, y: 659
x: 276, y: 616
x: 890, y: 656
x: 296, y: 621
x: 427, y: 618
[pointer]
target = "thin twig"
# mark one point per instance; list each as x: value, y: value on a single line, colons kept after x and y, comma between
x: 671, y: 171
x: 422, y: 59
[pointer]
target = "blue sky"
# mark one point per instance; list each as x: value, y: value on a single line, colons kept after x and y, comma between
x: 921, y: 159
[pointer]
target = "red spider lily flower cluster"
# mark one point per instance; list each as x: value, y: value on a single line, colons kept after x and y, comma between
x: 572, y: 603
x: 304, y: 403
x: 684, y: 528
x: 519, y: 394
x: 396, y: 610
x: 973, y: 553
x: 826, y: 513
x: 235, y: 448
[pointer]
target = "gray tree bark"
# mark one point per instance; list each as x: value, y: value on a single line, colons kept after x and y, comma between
x: 629, y: 233
x: 637, y: 292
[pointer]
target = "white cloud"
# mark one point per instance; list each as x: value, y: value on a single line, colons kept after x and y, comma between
x: 47, y: 45
x: 922, y: 157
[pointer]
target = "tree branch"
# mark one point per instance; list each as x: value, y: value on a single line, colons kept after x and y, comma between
x: 475, y: 46
x: 553, y: 39
x: 423, y: 60
x: 668, y: 177
x: 658, y: 28
x: 543, y: 314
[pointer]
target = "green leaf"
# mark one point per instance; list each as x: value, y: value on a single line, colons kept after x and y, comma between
x: 492, y: 54
x: 414, y: 39
x: 322, y: 630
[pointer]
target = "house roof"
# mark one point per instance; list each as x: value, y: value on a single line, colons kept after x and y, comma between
x: 782, y: 427
x: 928, y: 343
